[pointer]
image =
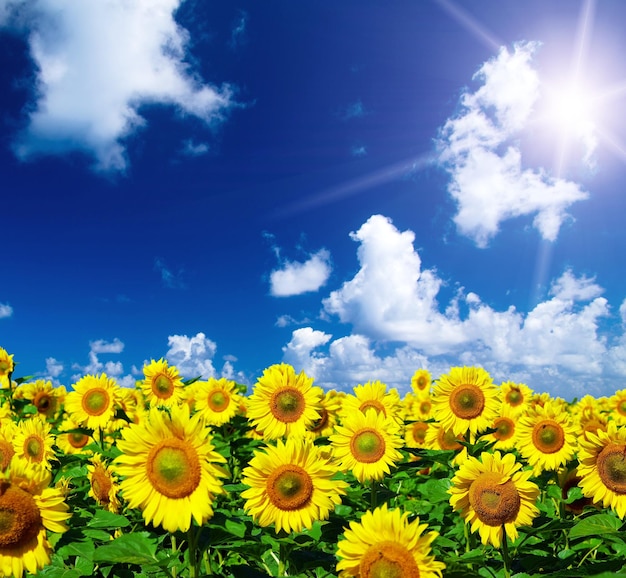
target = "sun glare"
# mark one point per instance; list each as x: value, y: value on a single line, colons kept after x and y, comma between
x: 570, y: 110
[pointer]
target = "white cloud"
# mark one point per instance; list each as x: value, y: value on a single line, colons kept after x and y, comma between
x: 193, y: 149
x: 170, y: 279
x: 239, y: 32
x: 488, y: 181
x: 296, y: 278
x: 354, y: 110
x: 54, y: 368
x: 103, y: 346
x: 97, y: 64
x: 95, y: 366
x: 5, y: 310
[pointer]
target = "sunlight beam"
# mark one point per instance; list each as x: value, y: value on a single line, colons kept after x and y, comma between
x: 471, y: 25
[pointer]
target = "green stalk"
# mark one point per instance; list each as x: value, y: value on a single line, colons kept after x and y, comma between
x: 173, y: 538
x: 373, y: 496
x: 192, y: 552
x: 505, y: 554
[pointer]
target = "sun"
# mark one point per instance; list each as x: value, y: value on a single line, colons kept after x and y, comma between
x: 570, y: 108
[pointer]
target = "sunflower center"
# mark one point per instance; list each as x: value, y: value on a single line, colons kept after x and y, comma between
x: 6, y: 453
x: 287, y: 404
x: 373, y: 403
x: 494, y: 502
x: 514, y: 397
x: 418, y: 431
x: 218, y: 401
x: 421, y: 382
x: 20, y: 520
x: 367, y: 446
x: 4, y: 367
x: 467, y: 401
x: 611, y: 465
x: 448, y: 440
x: 173, y: 468
x: 548, y: 436
x: 388, y: 560
x: 101, y: 484
x: 321, y: 423
x: 162, y: 386
x: 43, y: 402
x: 505, y: 428
x: 96, y: 401
x: 34, y: 448
x: 77, y: 440
x: 621, y: 407
x: 289, y: 487
x: 425, y: 407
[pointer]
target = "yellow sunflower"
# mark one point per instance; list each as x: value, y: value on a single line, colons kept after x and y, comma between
x: 617, y: 407
x: 93, y: 400
x: 493, y: 496
x: 418, y: 406
x: 72, y: 442
x: 33, y: 442
x: 421, y: 381
x: 28, y: 509
x: 516, y: 395
x: 415, y: 434
x: 170, y: 469
x: 546, y: 437
x: 366, y: 444
x: 465, y: 400
x: 602, y: 468
x: 329, y: 414
x: 291, y: 485
x: 216, y: 400
x: 374, y: 394
x: 283, y: 403
x: 6, y: 367
x: 43, y: 395
x: 162, y: 386
x: 505, y: 424
x: 103, y: 485
x: 7, y: 432
x: 385, y: 543
x: 442, y: 439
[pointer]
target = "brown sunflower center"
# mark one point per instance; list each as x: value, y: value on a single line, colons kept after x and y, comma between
x: 20, y: 520
x: 101, y: 484
x: 418, y: 432
x: 96, y: 401
x: 505, y: 428
x: 467, y: 401
x: 5, y: 366
x: 425, y: 406
x: 448, y: 440
x: 162, y: 386
x: 6, y: 453
x: 287, y: 404
x: 367, y: 446
x: 548, y: 436
x: 388, y: 559
x: 375, y: 404
x: 621, y: 407
x: 494, y: 502
x: 321, y: 423
x: 289, y: 487
x: 611, y: 463
x: 77, y: 440
x: 421, y: 382
x: 514, y: 397
x: 34, y: 448
x: 218, y: 400
x: 44, y: 402
x: 173, y: 468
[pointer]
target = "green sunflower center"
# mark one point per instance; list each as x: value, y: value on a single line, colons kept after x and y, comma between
x: 77, y: 440
x: 548, y: 436
x: 505, y: 428
x: 162, y: 386
x: 621, y: 407
x: 95, y: 401
x: 388, y: 559
x: 289, y: 487
x: 34, y: 448
x: 20, y: 520
x: 494, y: 502
x: 467, y: 401
x: 218, y: 401
x: 448, y: 440
x: 43, y: 402
x: 422, y: 382
x: 514, y: 397
x: 5, y: 366
x: 611, y: 463
x: 173, y: 468
x: 425, y: 407
x: 287, y: 404
x: 418, y: 432
x: 367, y: 446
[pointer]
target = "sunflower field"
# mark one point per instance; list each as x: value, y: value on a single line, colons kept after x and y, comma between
x: 461, y: 477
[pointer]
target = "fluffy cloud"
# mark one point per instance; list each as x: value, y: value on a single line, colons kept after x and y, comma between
x: 488, y: 181
x: 5, y: 310
x: 112, y: 368
x: 97, y: 64
x: 296, y: 278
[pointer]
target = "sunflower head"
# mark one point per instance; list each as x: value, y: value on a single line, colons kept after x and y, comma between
x: 103, y: 485
x: 93, y: 401
x: 33, y: 442
x: 217, y: 400
x: 421, y: 381
x: 6, y: 363
x: 162, y: 385
x: 374, y: 395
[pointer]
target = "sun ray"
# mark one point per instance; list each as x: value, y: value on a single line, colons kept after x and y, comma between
x: 471, y: 25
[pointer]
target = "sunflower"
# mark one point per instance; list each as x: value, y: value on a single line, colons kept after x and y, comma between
x: 385, y: 543
x: 465, y: 400
x: 442, y: 439
x: 546, y: 437
x: 415, y: 434
x: 617, y: 406
x: 103, y: 485
x: 43, y: 395
x: 216, y: 399
x: 374, y: 394
x: 291, y: 485
x: 367, y: 444
x: 72, y: 442
x: 6, y: 367
x: 505, y: 424
x: 28, y: 509
x: 421, y: 381
x: 418, y: 406
x: 162, y: 386
x: 92, y: 402
x: 568, y: 479
x: 602, y: 468
x: 283, y: 403
x: 170, y: 468
x: 7, y: 432
x: 493, y: 496
x: 33, y: 442
x: 329, y: 414
x: 516, y: 395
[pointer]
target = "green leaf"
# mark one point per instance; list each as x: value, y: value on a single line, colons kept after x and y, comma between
x: 136, y: 548
x: 236, y: 528
x: 55, y: 572
x: 596, y: 525
x: 106, y: 519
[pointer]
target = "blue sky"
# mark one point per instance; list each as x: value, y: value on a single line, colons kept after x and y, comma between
x: 360, y: 189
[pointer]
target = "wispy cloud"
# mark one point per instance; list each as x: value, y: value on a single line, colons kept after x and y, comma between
x: 488, y: 180
x: 195, y: 149
x: 170, y: 279
x: 359, y: 151
x: 114, y: 369
x: 354, y: 110
x: 5, y: 310
x: 97, y: 64
x: 239, y: 32
x: 295, y: 278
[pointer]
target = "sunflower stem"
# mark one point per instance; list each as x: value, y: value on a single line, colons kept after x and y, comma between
x: 192, y: 552
x: 173, y: 538
x: 373, y: 496
x: 505, y: 554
